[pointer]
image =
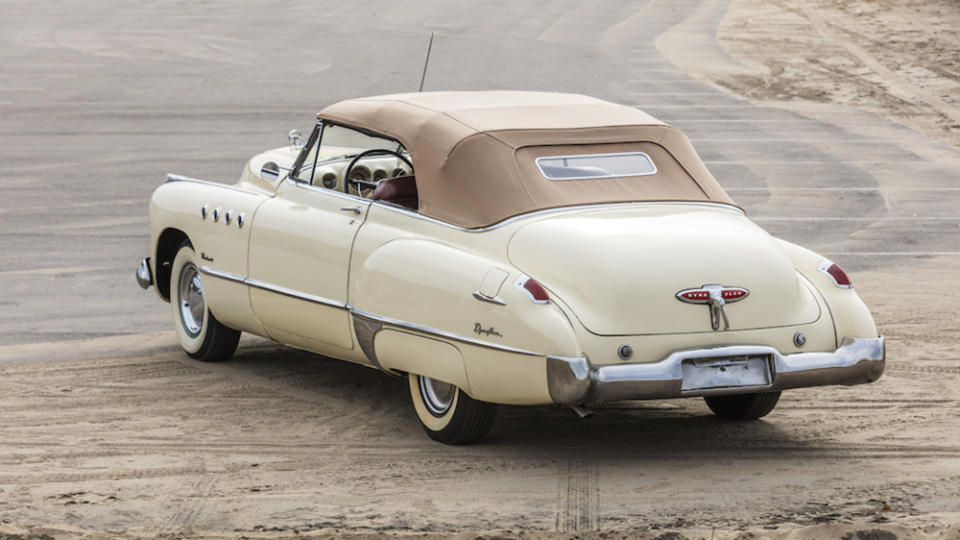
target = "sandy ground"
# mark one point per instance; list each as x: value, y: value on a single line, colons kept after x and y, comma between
x: 108, y: 431
x: 896, y: 58
x: 284, y: 443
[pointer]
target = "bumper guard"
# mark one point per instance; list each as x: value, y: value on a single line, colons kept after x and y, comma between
x: 144, y: 276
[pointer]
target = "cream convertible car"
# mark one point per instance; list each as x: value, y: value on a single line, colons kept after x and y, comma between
x: 506, y: 247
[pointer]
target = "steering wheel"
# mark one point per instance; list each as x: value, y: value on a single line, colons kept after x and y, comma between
x: 347, y: 181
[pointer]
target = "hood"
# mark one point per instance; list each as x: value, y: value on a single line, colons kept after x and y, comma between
x: 619, y: 269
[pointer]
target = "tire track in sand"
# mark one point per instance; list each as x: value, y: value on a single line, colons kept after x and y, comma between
x: 578, y: 497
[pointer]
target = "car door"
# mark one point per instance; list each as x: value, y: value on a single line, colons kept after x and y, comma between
x: 300, y: 246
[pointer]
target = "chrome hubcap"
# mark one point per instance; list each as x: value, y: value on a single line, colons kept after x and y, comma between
x: 437, y: 395
x: 191, y: 300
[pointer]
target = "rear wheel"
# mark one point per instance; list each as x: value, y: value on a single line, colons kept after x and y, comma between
x: 448, y: 414
x: 201, y: 335
x: 743, y: 406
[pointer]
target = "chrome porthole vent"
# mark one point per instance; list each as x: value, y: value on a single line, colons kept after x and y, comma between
x: 204, y: 210
x: 240, y: 221
x: 216, y: 214
x: 227, y: 217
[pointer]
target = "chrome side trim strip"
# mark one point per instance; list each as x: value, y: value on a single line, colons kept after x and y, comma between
x: 295, y: 294
x: 273, y: 288
x: 222, y: 275
x: 179, y: 178
x: 371, y: 323
x: 441, y: 333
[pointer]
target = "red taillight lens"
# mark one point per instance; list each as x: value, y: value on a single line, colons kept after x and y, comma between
x: 733, y: 294
x: 536, y: 291
x: 839, y: 277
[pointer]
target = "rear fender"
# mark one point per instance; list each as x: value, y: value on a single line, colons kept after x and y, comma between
x: 426, y: 288
x: 851, y: 318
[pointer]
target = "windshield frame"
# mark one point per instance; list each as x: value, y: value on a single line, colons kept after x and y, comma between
x: 316, y: 137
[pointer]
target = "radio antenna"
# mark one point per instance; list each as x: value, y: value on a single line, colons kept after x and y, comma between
x: 425, y: 63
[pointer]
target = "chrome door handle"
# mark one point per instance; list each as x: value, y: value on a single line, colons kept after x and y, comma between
x: 354, y: 209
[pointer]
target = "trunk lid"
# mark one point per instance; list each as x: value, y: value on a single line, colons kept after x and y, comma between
x: 620, y: 268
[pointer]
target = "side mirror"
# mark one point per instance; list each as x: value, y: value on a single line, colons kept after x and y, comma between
x: 296, y: 139
x: 270, y: 171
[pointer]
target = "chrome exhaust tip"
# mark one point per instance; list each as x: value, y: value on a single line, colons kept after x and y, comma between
x: 582, y: 412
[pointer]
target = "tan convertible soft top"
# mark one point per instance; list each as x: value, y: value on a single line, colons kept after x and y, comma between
x: 474, y: 152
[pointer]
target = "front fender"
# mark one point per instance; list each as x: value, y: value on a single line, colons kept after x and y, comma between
x: 220, y: 243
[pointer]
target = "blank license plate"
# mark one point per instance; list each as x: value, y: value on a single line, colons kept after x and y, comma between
x: 707, y: 373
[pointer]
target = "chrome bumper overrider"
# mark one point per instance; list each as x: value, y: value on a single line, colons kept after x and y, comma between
x: 144, y: 277
x: 575, y: 380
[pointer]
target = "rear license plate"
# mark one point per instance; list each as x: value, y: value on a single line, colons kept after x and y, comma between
x: 730, y: 372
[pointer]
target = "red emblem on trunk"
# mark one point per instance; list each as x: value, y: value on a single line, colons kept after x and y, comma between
x: 717, y: 297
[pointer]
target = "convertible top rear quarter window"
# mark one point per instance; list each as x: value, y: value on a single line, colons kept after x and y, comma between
x: 596, y: 166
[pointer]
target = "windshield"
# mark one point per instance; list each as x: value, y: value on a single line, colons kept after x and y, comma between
x: 340, y: 143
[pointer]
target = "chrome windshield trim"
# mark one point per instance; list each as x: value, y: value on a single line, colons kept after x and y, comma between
x: 441, y: 333
x: 396, y: 208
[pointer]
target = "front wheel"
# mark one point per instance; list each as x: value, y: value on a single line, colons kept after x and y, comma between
x: 743, y: 406
x: 201, y: 335
x: 448, y: 414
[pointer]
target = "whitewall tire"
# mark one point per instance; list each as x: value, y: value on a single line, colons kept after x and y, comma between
x: 448, y: 414
x: 201, y: 335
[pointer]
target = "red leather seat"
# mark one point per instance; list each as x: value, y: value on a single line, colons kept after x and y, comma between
x: 400, y: 190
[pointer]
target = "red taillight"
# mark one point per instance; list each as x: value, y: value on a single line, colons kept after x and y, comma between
x: 733, y: 294
x: 534, y: 290
x: 839, y: 277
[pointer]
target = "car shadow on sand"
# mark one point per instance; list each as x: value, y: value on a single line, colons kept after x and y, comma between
x: 672, y: 429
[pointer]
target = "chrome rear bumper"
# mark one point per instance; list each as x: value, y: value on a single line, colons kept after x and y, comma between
x: 575, y: 380
x: 144, y: 276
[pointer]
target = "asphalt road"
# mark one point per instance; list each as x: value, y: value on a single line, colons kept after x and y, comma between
x: 99, y: 101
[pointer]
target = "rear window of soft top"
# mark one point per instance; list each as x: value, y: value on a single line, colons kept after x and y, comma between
x: 586, y: 166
